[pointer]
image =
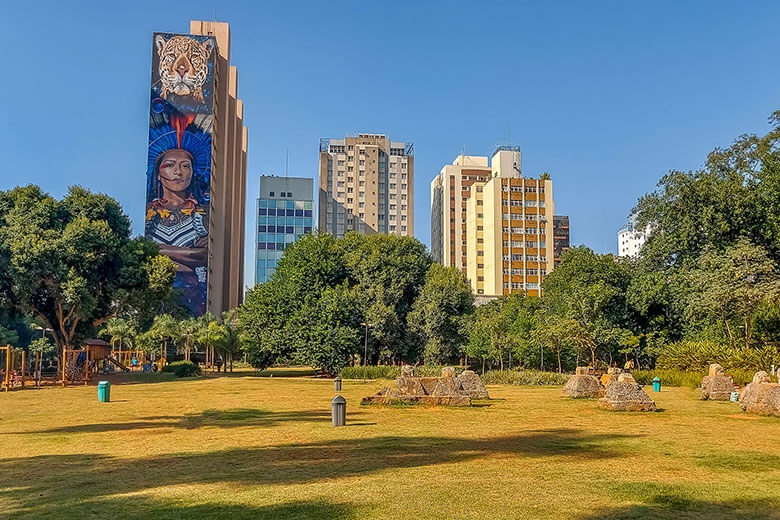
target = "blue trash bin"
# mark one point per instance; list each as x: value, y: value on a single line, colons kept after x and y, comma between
x: 104, y: 392
x: 656, y: 384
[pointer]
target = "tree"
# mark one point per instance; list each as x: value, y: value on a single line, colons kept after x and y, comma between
x: 734, y: 285
x: 120, y: 331
x: 441, y: 313
x: 733, y: 196
x: 164, y: 333
x: 71, y: 263
x: 589, y: 290
x: 324, y: 290
x: 556, y: 333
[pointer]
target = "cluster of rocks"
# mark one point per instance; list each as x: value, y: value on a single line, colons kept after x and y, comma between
x: 626, y: 395
x: 762, y: 396
x: 716, y: 386
x: 447, y: 390
x: 617, y: 391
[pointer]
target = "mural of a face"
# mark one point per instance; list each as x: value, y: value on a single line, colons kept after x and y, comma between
x: 176, y: 170
x: 183, y: 65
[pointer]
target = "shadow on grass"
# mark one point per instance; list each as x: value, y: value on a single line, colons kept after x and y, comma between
x: 235, y: 418
x: 676, y: 507
x: 145, y: 509
x: 93, y: 477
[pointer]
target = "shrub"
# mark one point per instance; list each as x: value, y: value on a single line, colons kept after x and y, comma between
x: 392, y: 372
x: 524, y: 377
x: 182, y: 368
x: 687, y: 379
x: 696, y: 356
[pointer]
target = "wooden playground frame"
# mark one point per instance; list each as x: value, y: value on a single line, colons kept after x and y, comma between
x: 9, y: 367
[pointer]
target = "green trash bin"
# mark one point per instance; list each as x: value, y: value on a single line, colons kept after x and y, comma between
x: 104, y: 392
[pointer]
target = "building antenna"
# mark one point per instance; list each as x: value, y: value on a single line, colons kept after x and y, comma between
x: 286, y: 161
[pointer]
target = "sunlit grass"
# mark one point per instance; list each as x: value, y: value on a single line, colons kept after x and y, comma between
x: 249, y: 447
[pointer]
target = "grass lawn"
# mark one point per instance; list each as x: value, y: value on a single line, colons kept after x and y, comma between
x: 261, y: 447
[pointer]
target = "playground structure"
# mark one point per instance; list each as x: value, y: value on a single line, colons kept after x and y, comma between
x: 79, y: 365
x: 14, y: 367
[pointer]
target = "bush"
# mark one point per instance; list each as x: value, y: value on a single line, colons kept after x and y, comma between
x: 524, y: 377
x: 182, y: 368
x: 392, y: 372
x: 687, y: 379
x: 696, y: 356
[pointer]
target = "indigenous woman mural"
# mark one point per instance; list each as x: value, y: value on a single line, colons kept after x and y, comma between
x: 178, y: 171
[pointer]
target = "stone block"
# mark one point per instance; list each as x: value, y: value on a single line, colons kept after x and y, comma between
x: 583, y: 386
x: 716, y: 388
x: 470, y: 383
x: 626, y: 396
x: 715, y: 370
x: 410, y: 386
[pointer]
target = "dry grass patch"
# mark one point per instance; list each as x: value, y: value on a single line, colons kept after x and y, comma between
x: 249, y: 447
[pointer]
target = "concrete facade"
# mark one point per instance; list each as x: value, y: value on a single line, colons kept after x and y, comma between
x: 366, y: 184
x: 228, y: 179
x: 494, y: 224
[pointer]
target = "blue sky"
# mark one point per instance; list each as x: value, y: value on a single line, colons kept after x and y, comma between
x: 605, y: 95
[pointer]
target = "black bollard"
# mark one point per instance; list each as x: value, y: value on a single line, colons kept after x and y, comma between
x: 338, y: 410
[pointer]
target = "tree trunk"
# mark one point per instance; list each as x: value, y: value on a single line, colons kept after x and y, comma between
x: 731, y: 334
x: 559, y: 362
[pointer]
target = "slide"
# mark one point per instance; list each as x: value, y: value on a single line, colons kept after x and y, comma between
x: 117, y: 363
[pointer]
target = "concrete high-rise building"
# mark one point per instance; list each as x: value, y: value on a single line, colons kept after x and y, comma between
x: 366, y: 185
x: 196, y: 173
x: 285, y: 211
x: 630, y: 240
x: 560, y: 236
x: 493, y: 223
x: 449, y: 193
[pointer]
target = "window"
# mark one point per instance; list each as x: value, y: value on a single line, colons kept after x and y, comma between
x: 271, y: 194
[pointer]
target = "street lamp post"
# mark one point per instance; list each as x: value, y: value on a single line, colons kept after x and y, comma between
x: 365, y: 351
x: 39, y: 357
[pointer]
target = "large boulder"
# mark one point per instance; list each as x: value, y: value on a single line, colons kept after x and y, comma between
x: 761, y: 397
x: 583, y: 386
x: 716, y: 386
x: 470, y: 382
x: 626, y: 395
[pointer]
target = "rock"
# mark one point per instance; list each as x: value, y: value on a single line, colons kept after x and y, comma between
x: 410, y: 386
x: 431, y: 400
x: 583, y: 386
x: 445, y: 386
x: 582, y: 371
x: 626, y: 395
x: 716, y: 387
x: 448, y: 372
x: 446, y: 390
x: 761, y: 397
x: 407, y: 370
x: 470, y: 383
x: 761, y: 377
x: 715, y: 370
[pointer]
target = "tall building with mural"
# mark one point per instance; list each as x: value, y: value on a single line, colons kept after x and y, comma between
x: 285, y: 211
x: 493, y: 223
x: 366, y: 185
x: 196, y: 165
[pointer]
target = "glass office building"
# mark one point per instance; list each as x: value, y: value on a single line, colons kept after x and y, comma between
x: 285, y: 211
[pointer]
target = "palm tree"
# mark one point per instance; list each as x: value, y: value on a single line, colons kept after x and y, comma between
x: 121, y: 332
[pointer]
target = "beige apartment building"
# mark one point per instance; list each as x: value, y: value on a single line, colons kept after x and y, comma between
x: 228, y: 179
x: 366, y: 185
x: 493, y: 224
